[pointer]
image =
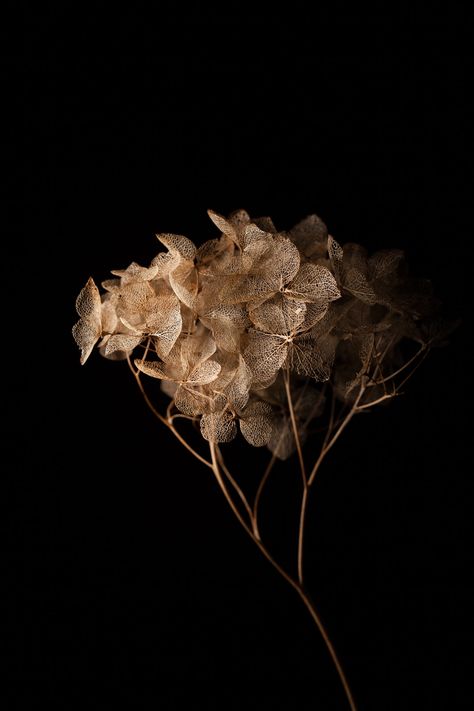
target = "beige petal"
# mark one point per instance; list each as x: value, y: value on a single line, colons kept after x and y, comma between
x: 88, y: 330
x: 218, y: 427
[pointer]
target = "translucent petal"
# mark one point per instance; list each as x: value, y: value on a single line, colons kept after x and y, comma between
x: 312, y: 357
x: 336, y: 255
x: 178, y: 245
x: 122, y: 342
x: 152, y: 368
x: 355, y: 256
x: 88, y: 330
x: 314, y: 283
x: 237, y: 392
x: 314, y: 313
x: 166, y: 331
x: 191, y: 401
x: 218, y: 427
x: 184, y: 281
x: 356, y: 282
x: 278, y: 315
x: 282, y: 442
x: 88, y: 301
x: 134, y: 272
x: 283, y: 261
x: 310, y: 236
x: 222, y: 224
x: 265, y: 224
x: 109, y: 314
x: 384, y: 262
x: 256, y: 423
x: 264, y: 355
x: 204, y: 373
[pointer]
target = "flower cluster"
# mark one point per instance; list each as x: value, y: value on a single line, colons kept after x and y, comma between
x: 224, y: 324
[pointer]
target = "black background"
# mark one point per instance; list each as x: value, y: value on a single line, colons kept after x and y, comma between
x: 132, y: 581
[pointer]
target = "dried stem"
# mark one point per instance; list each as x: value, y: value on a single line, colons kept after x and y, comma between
x: 258, y: 495
x: 294, y: 583
x: 294, y: 424
x: 332, y: 441
x: 235, y: 486
x: 304, y: 497
x: 163, y: 420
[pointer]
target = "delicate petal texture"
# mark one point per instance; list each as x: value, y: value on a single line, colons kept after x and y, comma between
x: 218, y: 427
x: 310, y: 236
x: 121, y: 342
x: 178, y: 245
x: 278, y: 315
x: 88, y: 330
x: 204, y: 373
x: 256, y: 423
x: 335, y: 254
x: 385, y: 262
x: 152, y: 368
x: 265, y: 355
x: 314, y: 283
x: 313, y: 357
x: 223, y: 326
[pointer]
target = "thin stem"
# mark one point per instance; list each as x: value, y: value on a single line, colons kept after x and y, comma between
x: 402, y: 368
x: 304, y: 505
x: 294, y: 425
x: 312, y: 611
x: 163, y: 420
x: 414, y: 370
x: 328, y: 445
x: 261, y: 486
x: 236, y: 487
x: 304, y: 497
x: 238, y: 515
x: 294, y: 584
x: 365, y: 406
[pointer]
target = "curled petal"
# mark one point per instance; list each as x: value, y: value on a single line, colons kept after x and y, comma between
x: 88, y: 329
x: 178, y: 245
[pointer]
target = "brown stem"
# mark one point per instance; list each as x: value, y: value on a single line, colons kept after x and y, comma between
x: 261, y: 486
x: 312, y: 611
x: 294, y: 584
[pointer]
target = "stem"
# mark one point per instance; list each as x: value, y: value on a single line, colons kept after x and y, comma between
x: 294, y: 425
x: 312, y: 611
x: 261, y: 486
x: 304, y: 503
x: 304, y: 498
x: 402, y: 368
x: 238, y: 515
x: 328, y: 445
x: 236, y: 487
x: 164, y: 421
x: 294, y: 584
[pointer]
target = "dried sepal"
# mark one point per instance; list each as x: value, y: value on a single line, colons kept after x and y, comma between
x: 88, y: 329
x: 219, y: 427
x: 222, y: 326
x: 313, y: 282
x: 256, y: 423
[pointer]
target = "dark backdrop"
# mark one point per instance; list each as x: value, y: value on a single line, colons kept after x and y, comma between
x: 132, y: 581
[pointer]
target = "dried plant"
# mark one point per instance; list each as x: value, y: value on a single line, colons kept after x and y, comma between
x: 268, y: 333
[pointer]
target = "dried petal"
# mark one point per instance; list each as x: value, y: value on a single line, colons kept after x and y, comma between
x: 88, y: 329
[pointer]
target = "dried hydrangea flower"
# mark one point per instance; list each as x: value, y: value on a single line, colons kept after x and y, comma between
x: 273, y: 333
